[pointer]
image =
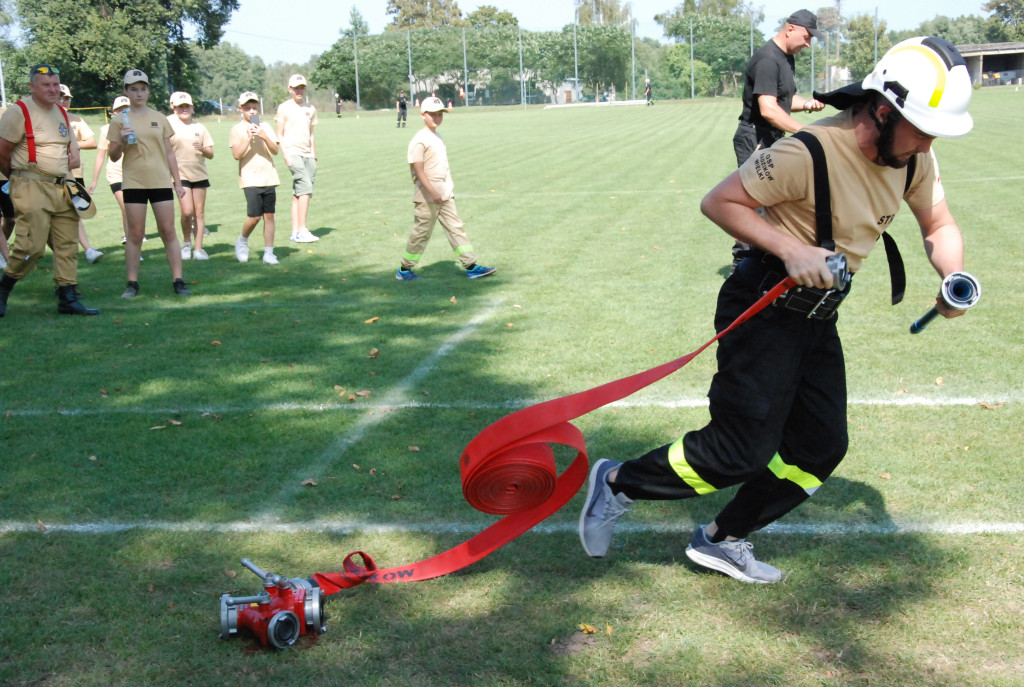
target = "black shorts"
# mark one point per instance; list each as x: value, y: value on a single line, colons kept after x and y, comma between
x: 142, y: 196
x: 6, y: 206
x: 205, y: 183
x: 260, y: 200
x: 114, y: 188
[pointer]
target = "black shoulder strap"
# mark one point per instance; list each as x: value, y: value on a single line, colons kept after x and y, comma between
x: 823, y: 213
x: 822, y: 190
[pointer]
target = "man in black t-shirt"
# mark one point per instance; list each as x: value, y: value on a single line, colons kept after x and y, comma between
x: 769, y: 90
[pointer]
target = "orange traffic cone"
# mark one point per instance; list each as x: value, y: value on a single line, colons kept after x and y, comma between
x: 450, y: 106
x: 462, y: 93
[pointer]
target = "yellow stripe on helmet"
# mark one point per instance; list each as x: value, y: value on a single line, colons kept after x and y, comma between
x: 940, y: 71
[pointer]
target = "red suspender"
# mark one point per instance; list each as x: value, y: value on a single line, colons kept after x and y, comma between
x: 30, y: 137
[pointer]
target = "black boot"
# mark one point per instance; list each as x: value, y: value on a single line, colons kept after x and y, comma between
x: 68, y: 303
x: 6, y: 284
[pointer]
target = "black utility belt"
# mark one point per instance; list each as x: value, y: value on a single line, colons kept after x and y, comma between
x: 814, y: 303
x: 818, y: 304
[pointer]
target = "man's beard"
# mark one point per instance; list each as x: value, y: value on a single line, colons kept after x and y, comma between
x: 886, y: 138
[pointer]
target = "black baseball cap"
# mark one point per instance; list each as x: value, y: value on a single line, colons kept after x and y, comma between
x: 806, y: 19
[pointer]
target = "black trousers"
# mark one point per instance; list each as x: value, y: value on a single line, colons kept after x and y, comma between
x: 749, y: 138
x: 778, y: 415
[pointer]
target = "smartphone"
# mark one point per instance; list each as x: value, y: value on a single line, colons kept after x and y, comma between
x: 254, y: 119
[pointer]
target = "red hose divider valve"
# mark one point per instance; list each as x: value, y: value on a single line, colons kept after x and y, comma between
x: 286, y: 609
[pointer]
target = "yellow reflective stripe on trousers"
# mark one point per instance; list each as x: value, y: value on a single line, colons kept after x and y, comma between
x: 464, y: 249
x: 677, y: 459
x: 804, y: 480
x: 414, y: 258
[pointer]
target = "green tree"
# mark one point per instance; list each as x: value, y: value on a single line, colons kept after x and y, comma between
x: 859, y: 52
x: 383, y: 69
x: 959, y: 31
x: 423, y: 14
x: 95, y: 41
x: 225, y: 71
x: 489, y: 15
x: 676, y: 83
x: 602, y: 13
x: 1010, y: 13
x: 357, y: 26
x: 604, y: 56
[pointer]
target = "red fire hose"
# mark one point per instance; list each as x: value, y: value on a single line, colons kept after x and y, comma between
x: 509, y: 469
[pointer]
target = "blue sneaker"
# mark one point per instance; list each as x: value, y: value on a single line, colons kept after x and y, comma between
x: 480, y: 271
x: 734, y: 558
x: 407, y: 275
x: 601, y: 510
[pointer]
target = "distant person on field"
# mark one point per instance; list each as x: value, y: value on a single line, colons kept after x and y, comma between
x: 114, y: 173
x: 86, y: 141
x: 434, y: 197
x: 253, y: 144
x: 38, y: 178
x: 150, y: 178
x: 769, y: 92
x: 647, y: 92
x: 402, y: 108
x: 295, y: 123
x: 193, y: 146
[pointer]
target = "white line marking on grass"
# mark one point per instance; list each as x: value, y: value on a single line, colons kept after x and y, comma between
x: 395, y: 397
x: 511, y: 404
x: 350, y: 527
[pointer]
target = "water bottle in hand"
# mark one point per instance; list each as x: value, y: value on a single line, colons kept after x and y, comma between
x: 131, y: 140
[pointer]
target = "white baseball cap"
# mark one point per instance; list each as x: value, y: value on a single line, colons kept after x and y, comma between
x: 432, y: 104
x: 134, y: 76
x: 65, y: 91
x: 119, y: 102
x: 180, y: 98
x: 246, y: 97
x: 296, y: 80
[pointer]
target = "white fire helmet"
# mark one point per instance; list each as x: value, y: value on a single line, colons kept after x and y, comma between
x: 927, y: 81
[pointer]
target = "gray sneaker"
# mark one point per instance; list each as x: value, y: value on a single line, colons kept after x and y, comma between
x: 734, y: 558
x: 601, y: 510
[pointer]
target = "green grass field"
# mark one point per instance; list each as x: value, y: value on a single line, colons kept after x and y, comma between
x: 145, y: 451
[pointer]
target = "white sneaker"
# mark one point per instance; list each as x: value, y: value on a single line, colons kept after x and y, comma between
x: 270, y: 258
x: 200, y: 254
x: 242, y: 249
x: 304, y: 235
x: 93, y: 255
x: 186, y: 251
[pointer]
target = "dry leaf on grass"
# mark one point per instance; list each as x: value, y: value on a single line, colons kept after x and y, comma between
x: 173, y: 422
x: 159, y: 427
x: 373, y: 353
x: 587, y: 629
x: 414, y: 448
x: 938, y: 381
x: 452, y: 300
x: 363, y: 393
x: 308, y: 482
x: 42, y: 527
x: 371, y: 320
x: 215, y: 343
x: 990, y: 406
x: 231, y: 573
x: 885, y: 475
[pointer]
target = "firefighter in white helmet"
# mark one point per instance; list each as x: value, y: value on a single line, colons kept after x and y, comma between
x: 778, y: 401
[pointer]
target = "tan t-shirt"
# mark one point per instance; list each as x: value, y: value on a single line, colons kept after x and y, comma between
x: 428, y: 147
x: 82, y: 132
x: 256, y: 166
x: 114, y: 174
x: 191, y: 163
x: 52, y: 137
x: 298, y: 127
x: 865, y: 196
x: 145, y: 163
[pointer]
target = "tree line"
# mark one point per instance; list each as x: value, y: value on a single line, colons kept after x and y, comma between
x: 179, y: 44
